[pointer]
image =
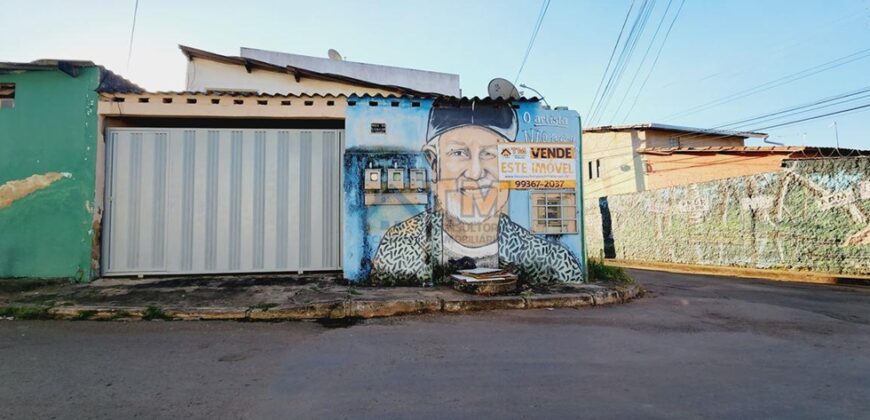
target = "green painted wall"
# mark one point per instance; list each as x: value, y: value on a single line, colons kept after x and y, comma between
x: 813, y: 215
x: 52, y: 128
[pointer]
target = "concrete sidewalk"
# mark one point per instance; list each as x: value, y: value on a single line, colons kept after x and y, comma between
x: 274, y: 298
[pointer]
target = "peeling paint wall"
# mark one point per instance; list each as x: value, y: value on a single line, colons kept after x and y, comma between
x: 47, y: 172
x: 813, y: 215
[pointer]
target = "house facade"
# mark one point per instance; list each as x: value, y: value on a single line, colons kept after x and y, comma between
x: 48, y: 202
x: 264, y: 166
x: 672, y: 166
x: 432, y: 185
x: 612, y: 163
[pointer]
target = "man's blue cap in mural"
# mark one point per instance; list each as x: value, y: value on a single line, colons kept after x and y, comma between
x: 501, y: 119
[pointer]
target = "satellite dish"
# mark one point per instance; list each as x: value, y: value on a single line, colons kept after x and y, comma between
x: 334, y: 55
x: 503, y: 89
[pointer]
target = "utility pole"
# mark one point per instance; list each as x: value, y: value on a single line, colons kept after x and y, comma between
x: 836, y: 134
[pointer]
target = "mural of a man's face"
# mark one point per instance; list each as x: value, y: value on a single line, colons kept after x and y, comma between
x: 467, y: 174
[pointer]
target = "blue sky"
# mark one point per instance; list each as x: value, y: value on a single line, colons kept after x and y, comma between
x: 715, y: 49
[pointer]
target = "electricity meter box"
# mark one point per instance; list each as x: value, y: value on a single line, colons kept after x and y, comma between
x: 418, y: 179
x: 396, y: 179
x: 373, y: 179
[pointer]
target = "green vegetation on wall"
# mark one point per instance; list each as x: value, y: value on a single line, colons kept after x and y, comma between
x: 813, y: 215
x: 47, y: 175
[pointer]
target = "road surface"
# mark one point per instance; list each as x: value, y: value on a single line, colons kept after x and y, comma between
x: 696, y: 346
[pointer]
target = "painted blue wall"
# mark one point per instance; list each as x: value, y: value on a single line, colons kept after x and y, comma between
x: 406, y: 121
x: 529, y: 131
x: 406, y: 131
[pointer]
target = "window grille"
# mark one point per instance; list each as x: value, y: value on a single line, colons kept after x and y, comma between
x: 554, y: 212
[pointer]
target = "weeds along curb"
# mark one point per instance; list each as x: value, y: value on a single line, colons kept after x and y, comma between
x: 347, y: 308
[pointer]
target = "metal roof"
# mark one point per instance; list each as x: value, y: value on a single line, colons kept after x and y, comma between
x: 792, y: 151
x: 673, y: 128
x: 251, y: 64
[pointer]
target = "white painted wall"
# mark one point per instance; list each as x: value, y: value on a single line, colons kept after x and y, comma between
x: 203, y: 75
x: 424, y: 81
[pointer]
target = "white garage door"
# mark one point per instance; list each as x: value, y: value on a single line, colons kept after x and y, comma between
x: 190, y: 201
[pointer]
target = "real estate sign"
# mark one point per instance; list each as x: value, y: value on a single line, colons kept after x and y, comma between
x: 537, y: 165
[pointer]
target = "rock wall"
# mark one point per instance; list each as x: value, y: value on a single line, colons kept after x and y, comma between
x: 812, y: 215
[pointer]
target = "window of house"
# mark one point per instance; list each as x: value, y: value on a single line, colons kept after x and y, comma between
x: 554, y: 212
x: 596, y: 171
x: 7, y: 95
x: 674, y: 142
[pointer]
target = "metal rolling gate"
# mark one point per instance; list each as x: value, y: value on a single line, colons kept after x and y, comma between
x: 195, y: 201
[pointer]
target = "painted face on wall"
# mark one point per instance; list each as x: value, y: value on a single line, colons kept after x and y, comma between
x: 467, y: 174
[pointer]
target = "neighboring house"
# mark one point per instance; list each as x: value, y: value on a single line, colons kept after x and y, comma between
x: 671, y: 166
x: 267, y: 72
x: 48, y: 166
x: 611, y: 161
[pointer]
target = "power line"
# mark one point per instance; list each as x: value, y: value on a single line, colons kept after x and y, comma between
x: 643, y: 60
x: 800, y: 108
x: 624, y: 57
x: 132, y: 31
x: 609, y: 61
x: 829, y: 65
x: 795, y: 110
x: 544, y: 6
x: 656, y: 60
x: 783, y: 48
x: 815, y: 117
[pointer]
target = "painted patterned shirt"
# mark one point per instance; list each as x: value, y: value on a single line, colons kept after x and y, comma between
x: 410, y: 252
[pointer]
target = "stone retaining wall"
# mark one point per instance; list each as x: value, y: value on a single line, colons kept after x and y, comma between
x: 814, y: 215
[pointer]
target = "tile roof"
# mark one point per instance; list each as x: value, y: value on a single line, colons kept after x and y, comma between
x: 673, y: 128
x: 353, y: 97
x: 109, y: 81
x: 792, y: 151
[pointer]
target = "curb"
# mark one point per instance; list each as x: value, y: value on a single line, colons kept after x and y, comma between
x: 744, y: 272
x: 355, y: 309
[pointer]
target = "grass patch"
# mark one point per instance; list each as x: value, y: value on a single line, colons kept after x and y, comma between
x: 598, y: 271
x: 353, y: 291
x: 264, y: 306
x: 120, y: 315
x: 84, y: 315
x: 155, y: 312
x: 26, y: 312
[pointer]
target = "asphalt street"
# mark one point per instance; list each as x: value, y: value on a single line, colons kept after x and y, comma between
x: 695, y: 346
